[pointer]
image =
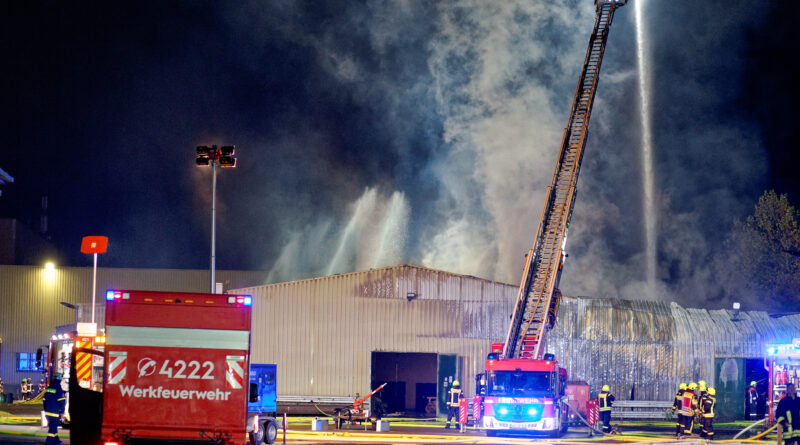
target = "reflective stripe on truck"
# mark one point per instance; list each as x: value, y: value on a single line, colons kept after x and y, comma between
x: 177, y: 337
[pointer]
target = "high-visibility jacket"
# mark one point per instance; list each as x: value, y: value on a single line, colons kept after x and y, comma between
x: 752, y: 396
x: 606, y: 400
x: 453, y: 396
x: 678, y: 399
x: 54, y: 400
x: 707, y: 405
x: 788, y: 415
x: 689, y: 403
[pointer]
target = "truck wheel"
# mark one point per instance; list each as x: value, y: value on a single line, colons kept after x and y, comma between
x: 270, y: 430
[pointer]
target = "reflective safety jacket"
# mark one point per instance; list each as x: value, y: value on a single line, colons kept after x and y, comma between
x: 453, y: 396
x: 678, y: 399
x: 54, y: 400
x: 707, y: 405
x: 788, y: 415
x: 752, y: 396
x: 689, y: 403
x: 606, y: 399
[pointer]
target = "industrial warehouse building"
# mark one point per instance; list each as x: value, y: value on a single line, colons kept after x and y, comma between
x: 419, y: 328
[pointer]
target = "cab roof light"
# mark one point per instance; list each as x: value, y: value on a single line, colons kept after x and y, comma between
x: 248, y: 300
x: 109, y: 295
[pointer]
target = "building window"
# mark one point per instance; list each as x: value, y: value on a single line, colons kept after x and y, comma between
x: 26, y: 361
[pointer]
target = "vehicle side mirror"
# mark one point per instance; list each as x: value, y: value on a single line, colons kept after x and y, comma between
x: 39, y: 358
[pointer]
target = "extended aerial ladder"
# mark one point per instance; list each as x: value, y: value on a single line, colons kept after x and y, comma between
x: 538, y: 298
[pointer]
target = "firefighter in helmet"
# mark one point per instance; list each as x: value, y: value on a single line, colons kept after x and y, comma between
x: 707, y: 414
x: 452, y: 403
x: 688, y: 408
x: 54, y: 402
x: 752, y: 401
x: 676, y: 405
x: 606, y: 400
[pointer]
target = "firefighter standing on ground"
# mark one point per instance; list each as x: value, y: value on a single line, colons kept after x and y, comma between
x: 606, y: 400
x: 752, y: 401
x: 707, y: 403
x: 452, y: 403
x: 54, y: 401
x: 688, y: 408
x: 700, y: 393
x: 676, y: 405
x: 788, y: 417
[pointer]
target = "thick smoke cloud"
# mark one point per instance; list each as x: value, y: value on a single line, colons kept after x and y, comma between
x: 398, y: 131
x: 469, y: 100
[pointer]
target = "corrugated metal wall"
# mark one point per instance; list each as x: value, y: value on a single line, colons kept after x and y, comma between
x: 321, y: 331
x: 656, y: 345
x: 30, y: 297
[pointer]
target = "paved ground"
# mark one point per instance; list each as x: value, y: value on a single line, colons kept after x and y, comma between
x: 403, y: 431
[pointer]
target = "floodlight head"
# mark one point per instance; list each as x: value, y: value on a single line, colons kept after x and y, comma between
x: 227, y: 161
x: 202, y: 161
x: 202, y: 150
x: 227, y: 150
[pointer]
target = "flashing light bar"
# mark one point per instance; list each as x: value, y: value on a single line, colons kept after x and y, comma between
x: 117, y: 295
x: 783, y: 349
x: 246, y: 300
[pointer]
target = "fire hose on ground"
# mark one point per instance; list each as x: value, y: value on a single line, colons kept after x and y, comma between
x: 751, y: 426
x: 585, y: 422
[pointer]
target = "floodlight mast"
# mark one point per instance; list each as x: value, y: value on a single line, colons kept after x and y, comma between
x: 212, y: 156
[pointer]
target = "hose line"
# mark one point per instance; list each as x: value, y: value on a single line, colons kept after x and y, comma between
x: 752, y: 425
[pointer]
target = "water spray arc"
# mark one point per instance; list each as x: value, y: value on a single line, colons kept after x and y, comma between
x: 648, y: 194
x: 346, y: 250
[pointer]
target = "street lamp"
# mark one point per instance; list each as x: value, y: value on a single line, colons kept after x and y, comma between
x: 212, y: 156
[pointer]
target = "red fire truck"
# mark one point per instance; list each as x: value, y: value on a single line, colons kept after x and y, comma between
x: 176, y: 369
x: 525, y: 395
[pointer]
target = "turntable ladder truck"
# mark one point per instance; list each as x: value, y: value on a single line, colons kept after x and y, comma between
x: 525, y: 387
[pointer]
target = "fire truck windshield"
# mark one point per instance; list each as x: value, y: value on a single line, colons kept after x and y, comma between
x: 520, y: 384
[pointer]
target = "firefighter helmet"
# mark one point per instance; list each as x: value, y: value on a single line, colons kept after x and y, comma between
x: 702, y: 385
x: 753, y: 383
x: 692, y: 386
x: 712, y: 391
x: 456, y: 383
x: 682, y: 386
x: 606, y: 388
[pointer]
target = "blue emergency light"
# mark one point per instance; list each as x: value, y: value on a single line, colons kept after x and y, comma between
x: 246, y: 300
x: 110, y: 295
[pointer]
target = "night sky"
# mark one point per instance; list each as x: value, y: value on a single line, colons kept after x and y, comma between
x: 386, y: 132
